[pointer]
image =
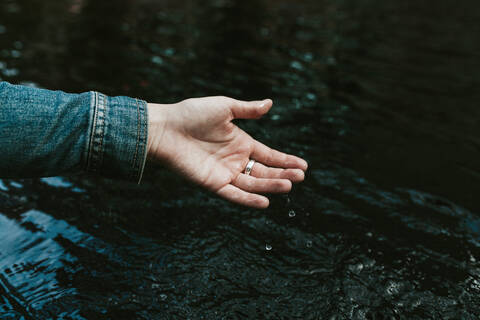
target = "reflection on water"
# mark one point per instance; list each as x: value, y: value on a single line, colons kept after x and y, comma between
x: 379, y: 96
x: 31, y: 256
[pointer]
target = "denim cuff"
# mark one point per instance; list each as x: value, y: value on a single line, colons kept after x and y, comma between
x: 118, y: 133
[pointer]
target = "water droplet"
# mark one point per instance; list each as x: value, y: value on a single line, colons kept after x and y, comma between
x: 291, y: 213
x: 356, y: 268
x: 3, y: 186
x: 57, y: 182
x: 308, y: 56
x: 163, y: 297
x: 16, y: 185
x: 10, y: 72
x: 157, y: 60
x: 296, y: 65
x: 169, y: 52
x: 268, y: 247
x: 15, y: 54
x: 309, y: 244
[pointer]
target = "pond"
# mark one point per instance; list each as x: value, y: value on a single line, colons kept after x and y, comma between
x: 380, y: 97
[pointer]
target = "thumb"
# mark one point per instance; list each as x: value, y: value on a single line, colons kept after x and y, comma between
x: 250, y: 109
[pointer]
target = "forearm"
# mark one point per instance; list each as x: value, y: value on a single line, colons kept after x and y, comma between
x: 44, y: 133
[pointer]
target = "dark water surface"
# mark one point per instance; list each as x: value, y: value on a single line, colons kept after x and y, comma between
x: 381, y: 97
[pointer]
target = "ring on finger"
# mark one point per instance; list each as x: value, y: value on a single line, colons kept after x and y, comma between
x: 248, y: 168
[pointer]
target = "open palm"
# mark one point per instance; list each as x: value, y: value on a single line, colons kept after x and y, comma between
x: 196, y: 138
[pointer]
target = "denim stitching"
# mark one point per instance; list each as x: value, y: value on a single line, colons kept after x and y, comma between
x: 97, y: 141
x: 104, y: 120
x: 142, y: 139
x: 91, y: 122
x: 92, y: 134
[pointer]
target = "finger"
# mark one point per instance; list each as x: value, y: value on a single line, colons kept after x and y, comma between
x: 237, y: 195
x: 261, y: 171
x: 259, y: 185
x: 250, y: 109
x: 274, y: 158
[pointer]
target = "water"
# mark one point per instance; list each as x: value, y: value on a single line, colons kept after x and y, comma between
x: 380, y: 97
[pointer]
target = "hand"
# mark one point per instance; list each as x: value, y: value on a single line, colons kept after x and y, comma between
x: 196, y: 138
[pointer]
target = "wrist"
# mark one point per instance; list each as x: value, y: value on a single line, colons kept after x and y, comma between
x: 157, y: 119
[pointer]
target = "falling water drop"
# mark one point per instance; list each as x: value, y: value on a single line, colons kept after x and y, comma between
x: 309, y: 244
x: 291, y: 213
x: 268, y: 247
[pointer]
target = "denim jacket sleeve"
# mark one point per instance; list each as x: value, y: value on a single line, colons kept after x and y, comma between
x: 45, y: 133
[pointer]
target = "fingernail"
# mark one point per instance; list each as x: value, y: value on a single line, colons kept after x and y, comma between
x: 305, y: 164
x: 264, y: 103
